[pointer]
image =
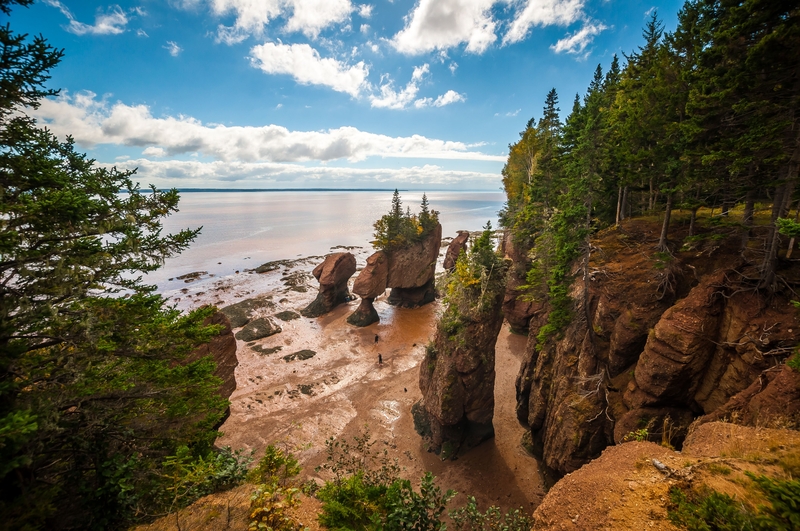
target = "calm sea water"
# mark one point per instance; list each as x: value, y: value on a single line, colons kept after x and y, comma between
x: 242, y: 230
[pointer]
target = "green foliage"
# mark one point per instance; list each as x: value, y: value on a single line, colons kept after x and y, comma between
x: 277, y: 467
x: 95, y: 386
x: 189, y: 477
x: 276, y: 495
x: 640, y: 435
x: 397, y: 229
x: 708, y: 510
x: 473, y: 286
x: 469, y: 518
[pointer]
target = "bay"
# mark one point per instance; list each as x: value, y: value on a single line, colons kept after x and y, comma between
x: 244, y: 229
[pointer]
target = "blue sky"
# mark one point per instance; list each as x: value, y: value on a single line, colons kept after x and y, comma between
x: 415, y: 94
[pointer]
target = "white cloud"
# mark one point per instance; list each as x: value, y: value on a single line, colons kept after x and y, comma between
x: 112, y: 22
x: 451, y: 96
x: 91, y: 122
x: 253, y: 16
x: 364, y: 28
x: 192, y: 173
x: 443, y: 24
x: 141, y: 33
x: 391, y: 99
x: 577, y: 42
x: 278, y: 106
x: 453, y: 67
x: 173, y: 48
x: 543, y: 13
x: 305, y: 65
x: 154, y: 152
x: 365, y: 11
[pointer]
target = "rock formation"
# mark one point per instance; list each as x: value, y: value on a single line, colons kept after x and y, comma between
x: 408, y: 271
x: 222, y: 349
x: 674, y: 339
x: 412, y: 270
x: 457, y: 373
x: 370, y: 283
x: 332, y: 274
x: 457, y: 382
x: 458, y: 244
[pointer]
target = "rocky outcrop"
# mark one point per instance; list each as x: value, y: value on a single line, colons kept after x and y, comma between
x: 457, y: 382
x: 675, y: 338
x: 773, y: 399
x: 332, y: 274
x: 222, y: 349
x: 458, y: 244
x: 412, y: 270
x: 408, y: 271
x: 457, y: 376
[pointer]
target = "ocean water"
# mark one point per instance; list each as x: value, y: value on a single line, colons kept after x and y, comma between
x: 242, y: 230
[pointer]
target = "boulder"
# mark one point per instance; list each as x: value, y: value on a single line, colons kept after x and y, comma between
x: 222, y: 349
x: 458, y: 244
x: 257, y: 329
x: 332, y: 274
x: 242, y: 312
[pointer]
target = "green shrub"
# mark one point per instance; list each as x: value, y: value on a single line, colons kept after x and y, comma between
x: 469, y: 518
x: 708, y: 510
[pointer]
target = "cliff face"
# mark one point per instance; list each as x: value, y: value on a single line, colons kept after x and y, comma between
x: 667, y: 336
x: 223, y: 349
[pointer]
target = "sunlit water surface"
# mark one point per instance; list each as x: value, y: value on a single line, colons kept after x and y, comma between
x: 242, y: 230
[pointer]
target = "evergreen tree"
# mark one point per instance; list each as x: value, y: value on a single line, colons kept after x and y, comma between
x: 95, y: 390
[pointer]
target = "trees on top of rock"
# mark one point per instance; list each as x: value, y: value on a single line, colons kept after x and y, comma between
x: 406, y: 261
x: 398, y: 229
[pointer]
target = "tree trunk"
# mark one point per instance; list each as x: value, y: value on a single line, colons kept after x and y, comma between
x: 783, y: 194
x: 747, y: 217
x: 662, y: 241
x: 651, y: 203
x: 586, y: 258
x: 619, y: 205
x: 625, y: 212
x: 692, y: 220
x: 791, y: 241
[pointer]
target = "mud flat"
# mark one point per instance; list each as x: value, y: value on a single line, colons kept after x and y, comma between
x: 320, y: 378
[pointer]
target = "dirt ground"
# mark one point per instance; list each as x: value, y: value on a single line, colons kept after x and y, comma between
x: 343, y: 390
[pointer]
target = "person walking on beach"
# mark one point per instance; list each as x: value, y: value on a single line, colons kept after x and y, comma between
x: 376, y: 339
x: 380, y: 359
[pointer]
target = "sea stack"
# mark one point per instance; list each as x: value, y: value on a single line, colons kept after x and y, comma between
x: 370, y: 283
x: 332, y: 274
x: 412, y: 270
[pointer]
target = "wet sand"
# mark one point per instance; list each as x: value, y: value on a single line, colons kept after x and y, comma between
x: 343, y: 389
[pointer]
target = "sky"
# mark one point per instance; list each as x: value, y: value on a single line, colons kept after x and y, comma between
x: 232, y: 94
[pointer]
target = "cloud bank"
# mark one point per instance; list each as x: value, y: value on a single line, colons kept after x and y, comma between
x: 91, y: 121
